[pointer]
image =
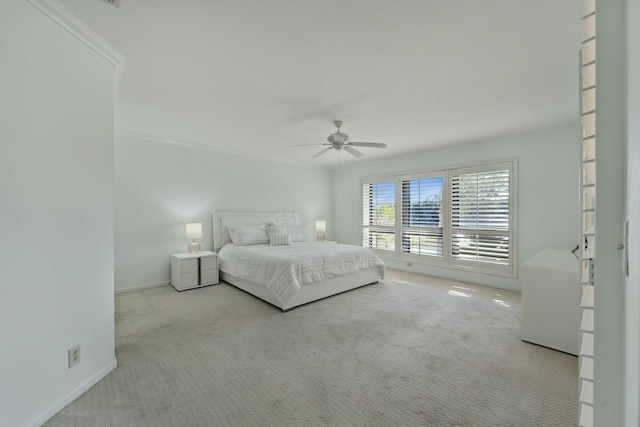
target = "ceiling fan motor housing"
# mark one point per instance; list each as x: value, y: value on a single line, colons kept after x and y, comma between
x: 338, y: 138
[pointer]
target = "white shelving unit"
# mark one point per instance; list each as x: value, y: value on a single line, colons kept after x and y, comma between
x: 587, y: 212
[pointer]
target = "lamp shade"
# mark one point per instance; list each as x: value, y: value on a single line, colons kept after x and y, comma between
x: 194, y: 230
x: 321, y: 226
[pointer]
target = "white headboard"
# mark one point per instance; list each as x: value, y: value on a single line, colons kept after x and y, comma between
x: 222, y: 220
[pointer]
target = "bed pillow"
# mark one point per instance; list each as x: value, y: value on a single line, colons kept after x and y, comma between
x: 279, y: 239
x: 245, y: 235
x: 299, y: 234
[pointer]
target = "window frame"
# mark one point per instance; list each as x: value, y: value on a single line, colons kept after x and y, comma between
x: 447, y: 260
x: 383, y: 253
x: 424, y: 258
x: 487, y: 267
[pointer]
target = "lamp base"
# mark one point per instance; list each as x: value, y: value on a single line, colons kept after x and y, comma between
x: 194, y: 248
x: 320, y: 237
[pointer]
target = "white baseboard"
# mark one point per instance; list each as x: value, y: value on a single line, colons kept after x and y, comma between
x: 77, y: 392
x: 141, y: 287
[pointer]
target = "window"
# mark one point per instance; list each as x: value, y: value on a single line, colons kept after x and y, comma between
x: 481, y: 216
x: 461, y: 217
x: 422, y: 215
x: 379, y: 215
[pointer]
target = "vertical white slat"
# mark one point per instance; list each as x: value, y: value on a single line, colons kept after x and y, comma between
x: 586, y: 391
x: 586, y: 348
x: 587, y: 295
x: 586, y: 325
x: 586, y: 368
x: 586, y: 416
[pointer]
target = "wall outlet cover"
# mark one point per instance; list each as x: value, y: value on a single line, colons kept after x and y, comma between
x: 74, y: 356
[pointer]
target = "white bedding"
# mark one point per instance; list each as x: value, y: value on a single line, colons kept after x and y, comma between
x: 283, y: 269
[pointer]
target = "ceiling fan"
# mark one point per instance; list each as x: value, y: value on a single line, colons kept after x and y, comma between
x: 340, y: 141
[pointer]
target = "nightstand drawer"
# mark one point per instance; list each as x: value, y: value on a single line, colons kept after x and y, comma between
x: 208, y: 263
x: 209, y: 277
x: 189, y: 266
x: 188, y: 280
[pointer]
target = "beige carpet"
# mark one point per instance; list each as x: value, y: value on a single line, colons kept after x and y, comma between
x: 410, y: 351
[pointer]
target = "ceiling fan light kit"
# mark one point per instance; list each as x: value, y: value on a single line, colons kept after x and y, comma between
x: 340, y: 141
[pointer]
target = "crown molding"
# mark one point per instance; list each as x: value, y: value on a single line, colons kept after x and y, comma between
x: 209, y: 147
x: 76, y: 27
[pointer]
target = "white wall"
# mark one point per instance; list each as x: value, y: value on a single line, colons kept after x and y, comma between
x: 56, y: 206
x: 609, y: 284
x: 547, y: 194
x: 632, y: 290
x: 161, y: 186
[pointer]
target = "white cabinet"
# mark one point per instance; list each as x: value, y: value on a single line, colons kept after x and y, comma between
x: 193, y: 271
x: 551, y: 300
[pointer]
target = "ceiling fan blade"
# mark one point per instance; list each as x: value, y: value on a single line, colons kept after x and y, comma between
x: 353, y: 151
x: 368, y: 144
x: 322, y: 152
x: 303, y: 145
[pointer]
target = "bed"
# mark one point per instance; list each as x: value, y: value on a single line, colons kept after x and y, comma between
x: 292, y: 270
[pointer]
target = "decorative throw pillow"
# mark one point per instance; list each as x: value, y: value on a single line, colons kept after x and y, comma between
x: 279, y: 239
x: 248, y: 235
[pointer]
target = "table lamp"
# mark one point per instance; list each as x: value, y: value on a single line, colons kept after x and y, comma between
x: 194, y: 231
x: 321, y: 227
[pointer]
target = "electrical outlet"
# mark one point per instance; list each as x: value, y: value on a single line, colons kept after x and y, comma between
x: 409, y: 264
x: 74, y: 356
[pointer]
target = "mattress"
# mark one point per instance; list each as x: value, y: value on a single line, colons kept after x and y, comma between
x: 285, y: 269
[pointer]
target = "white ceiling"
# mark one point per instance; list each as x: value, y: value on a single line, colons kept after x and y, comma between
x: 258, y: 76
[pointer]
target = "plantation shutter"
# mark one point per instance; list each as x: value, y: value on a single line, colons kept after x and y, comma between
x: 481, y: 216
x: 458, y: 217
x: 422, y: 215
x: 379, y: 215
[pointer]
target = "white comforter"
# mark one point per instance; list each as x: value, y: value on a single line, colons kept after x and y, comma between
x: 283, y: 269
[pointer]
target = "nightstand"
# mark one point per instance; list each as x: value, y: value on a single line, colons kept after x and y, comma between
x: 193, y: 271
